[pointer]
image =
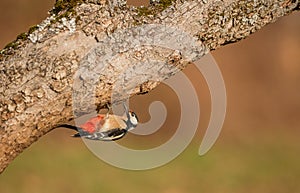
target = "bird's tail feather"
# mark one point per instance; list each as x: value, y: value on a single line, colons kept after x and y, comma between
x: 72, y: 127
x: 81, y: 132
x: 76, y: 135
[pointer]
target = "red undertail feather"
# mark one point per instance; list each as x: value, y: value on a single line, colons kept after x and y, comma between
x: 93, y: 124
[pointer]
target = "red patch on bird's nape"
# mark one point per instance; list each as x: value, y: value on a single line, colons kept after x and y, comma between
x: 93, y: 124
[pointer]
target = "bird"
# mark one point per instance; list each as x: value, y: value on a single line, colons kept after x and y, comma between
x: 106, y: 127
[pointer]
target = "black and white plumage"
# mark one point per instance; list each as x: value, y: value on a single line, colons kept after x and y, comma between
x: 106, y: 127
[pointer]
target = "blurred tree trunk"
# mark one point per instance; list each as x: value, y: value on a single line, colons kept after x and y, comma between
x: 37, y: 69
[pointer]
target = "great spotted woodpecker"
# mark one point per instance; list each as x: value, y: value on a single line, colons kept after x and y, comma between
x: 106, y: 127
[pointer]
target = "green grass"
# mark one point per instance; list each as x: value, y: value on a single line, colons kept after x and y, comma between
x: 252, y: 163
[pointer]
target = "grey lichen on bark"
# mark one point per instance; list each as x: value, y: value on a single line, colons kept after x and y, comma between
x: 38, y: 70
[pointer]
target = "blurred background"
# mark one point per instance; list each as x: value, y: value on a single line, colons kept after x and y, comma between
x: 257, y: 151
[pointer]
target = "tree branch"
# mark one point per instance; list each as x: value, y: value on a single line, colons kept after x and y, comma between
x: 39, y: 71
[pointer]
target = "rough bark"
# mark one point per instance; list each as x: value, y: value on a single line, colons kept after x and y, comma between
x: 39, y: 69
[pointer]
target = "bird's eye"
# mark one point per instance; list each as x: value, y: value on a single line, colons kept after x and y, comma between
x: 134, y: 115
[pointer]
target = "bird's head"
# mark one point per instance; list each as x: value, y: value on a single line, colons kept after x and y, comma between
x: 133, y: 118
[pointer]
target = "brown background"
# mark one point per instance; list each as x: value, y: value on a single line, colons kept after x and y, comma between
x: 258, y: 150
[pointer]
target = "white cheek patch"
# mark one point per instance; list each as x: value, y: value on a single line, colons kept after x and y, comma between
x: 133, y: 120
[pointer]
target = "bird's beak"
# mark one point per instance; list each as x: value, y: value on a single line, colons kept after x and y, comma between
x: 126, y: 110
x: 125, y: 107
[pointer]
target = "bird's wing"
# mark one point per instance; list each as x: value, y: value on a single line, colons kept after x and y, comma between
x: 115, y: 134
x: 111, y: 135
